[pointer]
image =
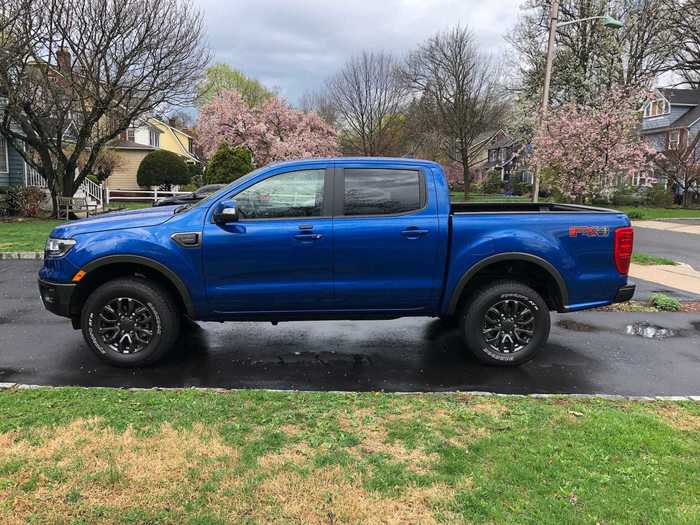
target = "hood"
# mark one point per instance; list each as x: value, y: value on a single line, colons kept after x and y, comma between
x: 116, y: 221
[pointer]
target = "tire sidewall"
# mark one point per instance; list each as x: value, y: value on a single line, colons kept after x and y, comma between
x: 474, y: 315
x: 124, y: 288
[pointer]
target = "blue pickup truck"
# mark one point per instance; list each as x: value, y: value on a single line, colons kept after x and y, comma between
x: 345, y: 238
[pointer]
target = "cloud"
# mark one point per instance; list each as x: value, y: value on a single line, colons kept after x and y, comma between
x: 294, y: 45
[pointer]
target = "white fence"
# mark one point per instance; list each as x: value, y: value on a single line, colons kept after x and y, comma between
x: 117, y: 194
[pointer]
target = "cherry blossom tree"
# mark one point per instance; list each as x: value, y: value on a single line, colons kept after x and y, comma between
x: 272, y: 131
x: 590, y: 148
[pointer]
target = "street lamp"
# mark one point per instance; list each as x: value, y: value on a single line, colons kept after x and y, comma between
x: 608, y: 21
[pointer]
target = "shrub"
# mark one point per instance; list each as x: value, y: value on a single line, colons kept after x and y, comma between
x: 635, y: 214
x: 664, y: 302
x: 521, y: 188
x: 25, y: 200
x: 658, y: 196
x: 162, y: 168
x: 493, y: 183
x: 626, y: 196
x: 228, y: 164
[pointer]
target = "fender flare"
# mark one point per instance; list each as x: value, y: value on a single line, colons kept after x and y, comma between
x: 509, y: 256
x: 166, y: 272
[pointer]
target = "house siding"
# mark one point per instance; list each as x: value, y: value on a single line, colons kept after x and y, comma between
x: 15, y: 174
x: 664, y: 121
x: 124, y: 176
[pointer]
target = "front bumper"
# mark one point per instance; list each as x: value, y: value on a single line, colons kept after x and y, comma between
x: 56, y: 297
x: 624, y: 294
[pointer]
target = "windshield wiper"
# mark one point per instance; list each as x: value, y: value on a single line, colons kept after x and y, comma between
x: 182, y: 208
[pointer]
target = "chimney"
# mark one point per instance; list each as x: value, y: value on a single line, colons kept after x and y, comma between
x: 63, y: 59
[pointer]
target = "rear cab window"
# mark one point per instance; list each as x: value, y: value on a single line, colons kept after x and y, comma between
x: 374, y: 191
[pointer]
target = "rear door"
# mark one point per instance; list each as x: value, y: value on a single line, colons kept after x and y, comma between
x: 385, y: 238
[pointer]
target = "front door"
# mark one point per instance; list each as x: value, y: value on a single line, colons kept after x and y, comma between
x: 386, y: 239
x: 278, y: 256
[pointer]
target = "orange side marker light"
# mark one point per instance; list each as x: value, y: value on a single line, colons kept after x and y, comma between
x: 78, y: 276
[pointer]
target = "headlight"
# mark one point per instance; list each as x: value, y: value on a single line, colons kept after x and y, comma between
x: 58, y: 247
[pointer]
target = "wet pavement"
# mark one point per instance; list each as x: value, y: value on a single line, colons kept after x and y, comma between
x: 599, y: 352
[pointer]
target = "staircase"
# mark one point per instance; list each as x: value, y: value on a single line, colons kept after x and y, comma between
x: 88, y: 190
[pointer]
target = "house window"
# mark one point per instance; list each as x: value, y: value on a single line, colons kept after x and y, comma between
x: 3, y: 156
x: 154, y: 138
x: 131, y: 135
x: 656, y: 108
x: 493, y: 155
x: 674, y: 139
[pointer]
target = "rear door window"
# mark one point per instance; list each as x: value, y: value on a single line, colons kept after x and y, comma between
x: 370, y: 191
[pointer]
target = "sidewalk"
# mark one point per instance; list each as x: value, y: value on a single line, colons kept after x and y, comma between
x: 668, y: 226
x: 681, y: 276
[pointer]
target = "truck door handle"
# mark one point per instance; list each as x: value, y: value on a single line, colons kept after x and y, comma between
x: 413, y: 233
x: 308, y: 236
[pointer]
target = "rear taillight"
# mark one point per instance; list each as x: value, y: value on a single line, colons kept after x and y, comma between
x: 624, y: 240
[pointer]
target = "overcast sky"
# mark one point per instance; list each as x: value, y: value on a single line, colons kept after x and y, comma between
x: 293, y: 45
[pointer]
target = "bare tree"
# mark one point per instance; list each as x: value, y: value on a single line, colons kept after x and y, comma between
x: 76, y: 73
x: 681, y: 164
x: 462, y: 86
x: 319, y: 102
x: 368, y: 96
x: 686, y: 40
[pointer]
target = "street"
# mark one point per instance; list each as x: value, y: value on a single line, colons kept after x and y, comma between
x: 597, y: 352
x: 681, y: 247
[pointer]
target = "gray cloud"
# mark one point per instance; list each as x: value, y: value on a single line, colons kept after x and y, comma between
x: 294, y: 45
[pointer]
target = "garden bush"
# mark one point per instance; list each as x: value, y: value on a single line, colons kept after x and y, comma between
x: 658, y: 196
x: 664, y: 302
x: 25, y: 200
x: 163, y: 169
x: 228, y: 164
x: 493, y: 183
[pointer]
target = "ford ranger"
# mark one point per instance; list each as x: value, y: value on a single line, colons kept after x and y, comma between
x: 345, y: 238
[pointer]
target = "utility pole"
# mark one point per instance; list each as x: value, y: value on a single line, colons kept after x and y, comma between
x: 553, y: 19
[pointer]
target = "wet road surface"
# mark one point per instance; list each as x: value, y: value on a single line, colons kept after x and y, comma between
x: 610, y: 353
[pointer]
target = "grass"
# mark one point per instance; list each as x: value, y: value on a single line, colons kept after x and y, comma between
x: 648, y: 260
x: 665, y: 302
x: 660, y: 213
x: 27, y: 235
x: 130, y: 205
x: 113, y: 456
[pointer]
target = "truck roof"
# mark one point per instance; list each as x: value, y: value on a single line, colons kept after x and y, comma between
x: 394, y: 161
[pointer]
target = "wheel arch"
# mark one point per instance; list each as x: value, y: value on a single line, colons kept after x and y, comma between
x: 110, y: 267
x: 550, y: 280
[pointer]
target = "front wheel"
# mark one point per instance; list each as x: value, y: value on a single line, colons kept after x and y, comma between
x: 130, y: 322
x: 506, y: 323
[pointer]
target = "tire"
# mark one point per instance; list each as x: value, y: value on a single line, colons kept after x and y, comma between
x: 497, y: 321
x: 117, y: 317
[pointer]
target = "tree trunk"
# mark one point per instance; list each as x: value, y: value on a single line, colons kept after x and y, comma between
x: 686, y: 198
x: 466, y: 177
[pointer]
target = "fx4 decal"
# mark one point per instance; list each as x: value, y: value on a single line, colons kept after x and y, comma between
x: 589, y: 231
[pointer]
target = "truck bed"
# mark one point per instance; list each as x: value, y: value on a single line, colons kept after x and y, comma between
x: 523, y: 207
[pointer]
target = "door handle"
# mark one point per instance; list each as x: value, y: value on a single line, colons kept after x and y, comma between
x: 308, y: 236
x: 413, y: 232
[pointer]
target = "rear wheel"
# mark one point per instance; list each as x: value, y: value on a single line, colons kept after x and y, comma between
x: 130, y: 322
x: 505, y: 323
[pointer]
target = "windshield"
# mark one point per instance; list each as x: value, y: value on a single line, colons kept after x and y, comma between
x: 217, y: 194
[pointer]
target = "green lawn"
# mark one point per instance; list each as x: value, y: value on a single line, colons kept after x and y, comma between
x: 661, y: 213
x: 27, y: 235
x: 113, y: 456
x: 130, y: 205
x: 646, y: 260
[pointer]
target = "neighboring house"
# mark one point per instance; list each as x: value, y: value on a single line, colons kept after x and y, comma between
x: 671, y: 119
x: 138, y: 141
x: 13, y: 171
x: 504, y: 156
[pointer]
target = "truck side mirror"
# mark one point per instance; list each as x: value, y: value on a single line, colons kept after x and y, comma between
x: 226, y: 212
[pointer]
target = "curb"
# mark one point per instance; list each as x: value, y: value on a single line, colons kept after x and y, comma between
x: 32, y: 256
x: 606, y: 397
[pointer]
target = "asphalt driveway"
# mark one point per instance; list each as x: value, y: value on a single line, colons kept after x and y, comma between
x: 610, y: 353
